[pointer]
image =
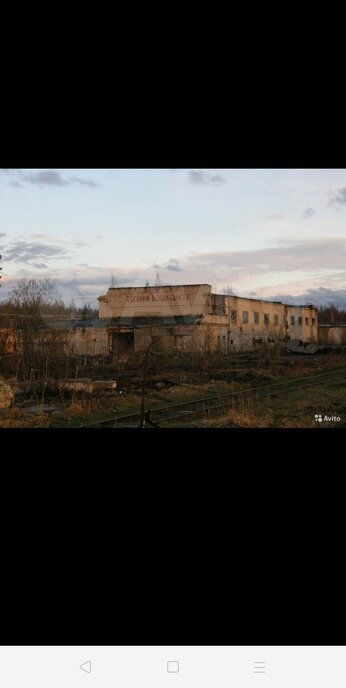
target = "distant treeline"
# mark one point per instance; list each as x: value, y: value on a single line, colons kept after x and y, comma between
x: 55, y: 311
x: 331, y: 314
x: 37, y: 301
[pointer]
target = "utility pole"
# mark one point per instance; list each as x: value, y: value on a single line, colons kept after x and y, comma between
x: 144, y: 380
x: 0, y: 269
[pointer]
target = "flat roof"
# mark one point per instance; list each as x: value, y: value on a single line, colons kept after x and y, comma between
x: 176, y: 286
x: 337, y: 324
x: 163, y: 286
x: 281, y: 303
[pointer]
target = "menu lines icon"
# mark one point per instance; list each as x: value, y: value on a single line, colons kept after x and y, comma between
x: 259, y: 667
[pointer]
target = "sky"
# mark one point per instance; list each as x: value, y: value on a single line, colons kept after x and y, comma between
x: 265, y: 233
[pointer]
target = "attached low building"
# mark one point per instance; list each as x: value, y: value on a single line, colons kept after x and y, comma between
x: 332, y: 333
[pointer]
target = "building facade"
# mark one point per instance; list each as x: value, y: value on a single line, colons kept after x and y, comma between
x: 183, y: 318
x: 188, y: 317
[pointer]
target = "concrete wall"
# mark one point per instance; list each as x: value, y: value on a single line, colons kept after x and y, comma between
x: 156, y: 301
x: 252, y: 320
x: 305, y: 326
x: 171, y: 338
x: 78, y: 341
x: 332, y: 334
x: 90, y: 341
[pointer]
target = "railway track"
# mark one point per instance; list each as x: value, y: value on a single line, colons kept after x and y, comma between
x: 215, y: 404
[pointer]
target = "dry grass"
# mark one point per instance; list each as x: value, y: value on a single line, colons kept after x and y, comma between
x: 242, y: 415
x: 14, y: 418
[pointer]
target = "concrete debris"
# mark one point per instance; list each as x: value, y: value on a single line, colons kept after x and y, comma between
x: 298, y: 347
x: 87, y: 386
x: 104, y: 384
x: 76, y: 385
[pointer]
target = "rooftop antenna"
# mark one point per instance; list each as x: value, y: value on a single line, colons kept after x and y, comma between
x: 157, y: 281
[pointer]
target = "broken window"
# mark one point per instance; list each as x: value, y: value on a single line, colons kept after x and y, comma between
x: 233, y: 316
x: 245, y: 317
x: 300, y: 321
x: 292, y: 319
x: 307, y: 321
x: 276, y: 319
x: 266, y: 318
x: 256, y: 318
x: 122, y: 342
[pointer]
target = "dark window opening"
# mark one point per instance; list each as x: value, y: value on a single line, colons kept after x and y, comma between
x: 256, y: 318
x: 233, y: 316
x: 276, y: 319
x: 122, y: 342
x: 245, y: 317
x: 313, y: 321
x: 292, y: 319
x: 266, y: 318
x: 300, y: 321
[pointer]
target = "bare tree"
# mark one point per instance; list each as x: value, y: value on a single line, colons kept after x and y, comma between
x: 32, y: 304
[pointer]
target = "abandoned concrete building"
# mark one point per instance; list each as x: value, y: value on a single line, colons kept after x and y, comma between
x: 184, y: 318
x: 332, y: 333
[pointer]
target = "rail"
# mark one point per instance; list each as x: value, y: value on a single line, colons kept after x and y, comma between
x: 207, y: 405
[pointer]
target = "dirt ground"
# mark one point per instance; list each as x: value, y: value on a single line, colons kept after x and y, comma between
x: 177, y: 381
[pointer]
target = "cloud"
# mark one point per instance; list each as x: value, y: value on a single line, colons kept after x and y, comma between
x: 319, y: 297
x: 19, y: 178
x: 199, y: 177
x: 339, y: 198
x: 2, y: 234
x: 313, y: 270
x: 48, y: 178
x: 274, y: 217
x: 175, y: 268
x: 172, y: 264
x: 30, y: 251
x: 291, y: 255
x: 83, y: 182
x: 309, y: 212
